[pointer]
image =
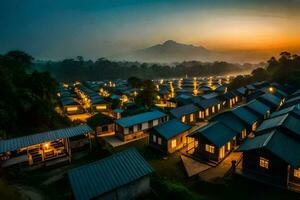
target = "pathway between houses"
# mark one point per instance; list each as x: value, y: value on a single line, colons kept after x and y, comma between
x: 215, y: 173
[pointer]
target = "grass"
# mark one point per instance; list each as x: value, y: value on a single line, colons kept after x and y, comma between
x: 8, y: 192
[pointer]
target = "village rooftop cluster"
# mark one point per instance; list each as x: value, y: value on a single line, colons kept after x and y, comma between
x: 253, y: 131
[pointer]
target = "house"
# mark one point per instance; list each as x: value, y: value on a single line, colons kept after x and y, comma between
x: 183, y: 99
x: 117, y: 113
x: 271, y: 101
x: 292, y: 109
x: 286, y: 123
x: 102, y: 124
x: 208, y: 107
x: 187, y: 114
x: 170, y: 136
x: 259, y: 109
x: 232, y: 121
x: 247, y: 116
x: 229, y: 99
x: 122, y: 176
x: 213, y: 142
x: 47, y: 148
x: 291, y: 102
x: 272, y: 158
x: 136, y: 126
x: 70, y: 106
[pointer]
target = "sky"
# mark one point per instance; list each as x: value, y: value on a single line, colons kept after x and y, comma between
x: 57, y: 29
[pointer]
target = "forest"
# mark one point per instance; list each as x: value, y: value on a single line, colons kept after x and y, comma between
x: 103, y: 69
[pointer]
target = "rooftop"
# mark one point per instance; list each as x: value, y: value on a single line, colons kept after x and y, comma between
x: 92, y: 180
x: 171, y: 128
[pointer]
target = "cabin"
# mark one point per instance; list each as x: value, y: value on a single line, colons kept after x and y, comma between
x: 259, y: 109
x: 124, y: 175
x: 137, y: 126
x: 103, y: 125
x: 271, y: 101
x: 183, y: 99
x: 229, y: 99
x: 47, y: 148
x: 208, y: 107
x: 170, y: 136
x: 247, y: 116
x: 272, y: 158
x: 70, y: 106
x: 117, y: 113
x: 188, y: 114
x: 213, y: 142
x: 232, y: 121
x: 292, y: 101
x: 286, y: 123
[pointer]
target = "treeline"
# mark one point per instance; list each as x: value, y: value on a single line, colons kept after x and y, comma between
x: 284, y: 70
x: 103, y: 69
x: 28, y: 97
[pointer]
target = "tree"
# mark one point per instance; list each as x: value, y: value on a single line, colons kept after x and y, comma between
x: 134, y: 82
x: 147, y: 96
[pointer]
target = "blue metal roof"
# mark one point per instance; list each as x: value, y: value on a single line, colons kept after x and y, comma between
x: 257, y: 107
x: 270, y: 98
x: 216, y: 132
x: 272, y: 123
x: 282, y: 145
x: 140, y: 118
x: 25, y: 141
x: 184, y: 110
x: 171, y: 128
x: 230, y: 120
x: 93, y: 180
x: 118, y: 110
x: 245, y: 115
x: 284, y: 111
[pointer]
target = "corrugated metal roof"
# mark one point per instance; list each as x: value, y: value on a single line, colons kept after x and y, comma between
x: 140, y: 118
x: 283, y: 111
x: 184, y: 110
x: 270, y: 98
x: 257, y: 107
x: 216, y: 132
x: 282, y: 145
x: 92, y: 180
x: 171, y: 128
x: 230, y: 120
x: 25, y: 141
x: 245, y: 115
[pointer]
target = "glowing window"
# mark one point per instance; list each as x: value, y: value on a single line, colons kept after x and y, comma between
x: 207, y: 112
x: 191, y: 117
x: 209, y: 148
x: 263, y: 162
x: 173, y: 143
x: 297, y: 173
x: 183, y: 119
x: 70, y: 109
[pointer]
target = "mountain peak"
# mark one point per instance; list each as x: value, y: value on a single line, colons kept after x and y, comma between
x: 169, y: 42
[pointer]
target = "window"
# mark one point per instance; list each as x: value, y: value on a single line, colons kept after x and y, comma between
x: 206, y: 112
x: 154, y: 138
x: 183, y: 119
x: 150, y: 123
x: 264, y: 163
x: 254, y: 126
x: 191, y: 117
x: 228, y: 146
x: 213, y: 109
x: 130, y: 129
x: 209, y: 148
x: 159, y: 140
x: 101, y: 107
x: 139, y: 127
x: 201, y: 114
x: 219, y: 107
x: 244, y: 134
x: 71, y: 109
x: 173, y: 143
x: 236, y: 99
x: 297, y: 173
x: 222, y: 152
